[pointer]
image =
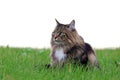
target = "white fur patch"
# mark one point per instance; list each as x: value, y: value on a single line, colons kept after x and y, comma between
x: 59, y: 54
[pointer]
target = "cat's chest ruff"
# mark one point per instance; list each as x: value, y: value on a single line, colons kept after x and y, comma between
x: 59, y: 54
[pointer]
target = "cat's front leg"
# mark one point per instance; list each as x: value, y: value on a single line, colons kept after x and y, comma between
x: 53, y: 61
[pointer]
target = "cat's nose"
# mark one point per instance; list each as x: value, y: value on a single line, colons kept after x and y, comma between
x: 55, y: 39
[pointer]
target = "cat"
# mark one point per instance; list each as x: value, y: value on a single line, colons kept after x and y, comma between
x: 68, y: 46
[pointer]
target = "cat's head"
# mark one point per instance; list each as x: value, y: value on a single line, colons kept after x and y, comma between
x: 65, y: 34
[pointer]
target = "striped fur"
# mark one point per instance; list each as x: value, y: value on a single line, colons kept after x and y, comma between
x: 67, y: 38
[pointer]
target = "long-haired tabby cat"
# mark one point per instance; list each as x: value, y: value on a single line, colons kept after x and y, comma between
x: 68, y: 46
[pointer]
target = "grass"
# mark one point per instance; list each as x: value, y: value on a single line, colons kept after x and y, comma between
x: 28, y: 64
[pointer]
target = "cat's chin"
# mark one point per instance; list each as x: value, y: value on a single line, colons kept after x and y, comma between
x: 58, y: 43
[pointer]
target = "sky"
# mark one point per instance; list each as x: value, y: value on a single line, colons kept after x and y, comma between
x: 29, y: 23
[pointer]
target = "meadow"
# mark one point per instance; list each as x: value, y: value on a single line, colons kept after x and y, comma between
x: 29, y: 64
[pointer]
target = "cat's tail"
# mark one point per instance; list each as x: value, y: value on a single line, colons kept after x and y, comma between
x: 91, y: 56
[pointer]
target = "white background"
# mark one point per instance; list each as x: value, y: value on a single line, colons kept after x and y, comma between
x: 29, y: 23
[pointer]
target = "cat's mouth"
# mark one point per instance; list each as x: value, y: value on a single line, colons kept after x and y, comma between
x: 58, y: 42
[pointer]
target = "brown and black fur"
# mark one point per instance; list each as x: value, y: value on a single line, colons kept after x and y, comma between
x: 81, y: 55
x: 73, y: 44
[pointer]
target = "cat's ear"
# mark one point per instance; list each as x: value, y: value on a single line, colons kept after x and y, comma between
x: 57, y: 22
x: 72, y: 25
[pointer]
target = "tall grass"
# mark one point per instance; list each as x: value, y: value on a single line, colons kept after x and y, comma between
x: 28, y: 64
